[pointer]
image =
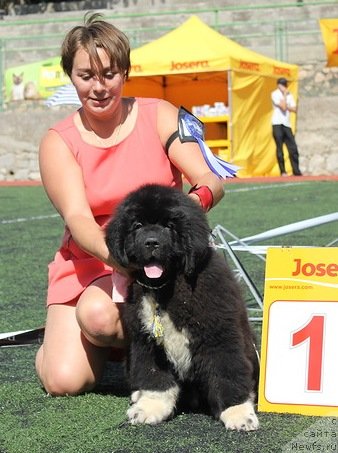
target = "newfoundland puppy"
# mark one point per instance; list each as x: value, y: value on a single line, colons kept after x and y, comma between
x: 187, y: 325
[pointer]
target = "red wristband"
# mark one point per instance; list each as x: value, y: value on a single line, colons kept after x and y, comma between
x: 205, y: 196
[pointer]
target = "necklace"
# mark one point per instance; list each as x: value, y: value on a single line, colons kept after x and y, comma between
x: 110, y: 140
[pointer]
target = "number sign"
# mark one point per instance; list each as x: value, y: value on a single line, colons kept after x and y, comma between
x: 299, y: 369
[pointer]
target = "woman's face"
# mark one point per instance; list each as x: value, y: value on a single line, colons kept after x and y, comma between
x: 98, y: 95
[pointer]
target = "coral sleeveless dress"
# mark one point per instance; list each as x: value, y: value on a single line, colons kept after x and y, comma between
x: 109, y: 175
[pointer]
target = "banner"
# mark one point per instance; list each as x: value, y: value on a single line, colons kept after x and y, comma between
x: 35, y: 80
x: 329, y: 29
x: 299, y: 372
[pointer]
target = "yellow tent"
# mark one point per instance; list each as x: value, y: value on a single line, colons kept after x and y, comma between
x: 196, y: 65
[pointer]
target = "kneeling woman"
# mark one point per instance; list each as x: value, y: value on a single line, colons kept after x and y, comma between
x: 89, y: 162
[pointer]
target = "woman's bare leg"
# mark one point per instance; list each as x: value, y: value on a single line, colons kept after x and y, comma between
x: 68, y: 363
x: 100, y: 318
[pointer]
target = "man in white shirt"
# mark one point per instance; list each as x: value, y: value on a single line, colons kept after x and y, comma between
x: 283, y: 103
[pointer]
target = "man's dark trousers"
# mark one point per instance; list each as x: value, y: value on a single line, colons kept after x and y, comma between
x: 283, y: 134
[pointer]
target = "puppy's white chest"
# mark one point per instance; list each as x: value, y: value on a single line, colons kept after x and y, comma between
x: 158, y: 324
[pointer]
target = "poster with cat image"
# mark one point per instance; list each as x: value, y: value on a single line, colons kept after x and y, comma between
x: 35, y: 80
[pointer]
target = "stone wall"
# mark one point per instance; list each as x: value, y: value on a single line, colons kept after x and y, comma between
x: 284, y: 30
x: 317, y: 125
x: 23, y: 125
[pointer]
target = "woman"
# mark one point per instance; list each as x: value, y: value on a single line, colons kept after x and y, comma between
x: 88, y: 163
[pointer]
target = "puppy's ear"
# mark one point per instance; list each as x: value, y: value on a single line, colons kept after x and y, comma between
x: 115, y: 233
x: 195, y: 244
x: 194, y: 257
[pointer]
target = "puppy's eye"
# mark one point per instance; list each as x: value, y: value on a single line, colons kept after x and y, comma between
x: 137, y: 225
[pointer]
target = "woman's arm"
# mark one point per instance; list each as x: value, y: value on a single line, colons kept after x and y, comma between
x: 62, y: 179
x: 187, y: 157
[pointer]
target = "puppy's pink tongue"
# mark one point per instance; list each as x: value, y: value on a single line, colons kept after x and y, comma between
x: 153, y: 270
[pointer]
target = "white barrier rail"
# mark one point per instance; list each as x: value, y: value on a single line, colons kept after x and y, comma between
x: 290, y: 228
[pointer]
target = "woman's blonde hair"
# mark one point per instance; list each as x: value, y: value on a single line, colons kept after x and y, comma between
x: 93, y: 34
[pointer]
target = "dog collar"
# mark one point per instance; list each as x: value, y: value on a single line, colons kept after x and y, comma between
x: 151, y: 287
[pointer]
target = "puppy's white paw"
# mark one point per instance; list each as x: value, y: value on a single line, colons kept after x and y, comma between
x: 152, y: 407
x: 241, y: 417
x: 135, y: 396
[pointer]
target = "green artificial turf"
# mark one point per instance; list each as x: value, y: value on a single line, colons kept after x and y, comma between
x: 31, y: 422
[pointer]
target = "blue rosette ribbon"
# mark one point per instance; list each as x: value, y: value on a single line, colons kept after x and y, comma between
x: 190, y: 128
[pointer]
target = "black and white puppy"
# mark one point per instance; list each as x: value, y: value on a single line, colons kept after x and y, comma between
x: 187, y: 324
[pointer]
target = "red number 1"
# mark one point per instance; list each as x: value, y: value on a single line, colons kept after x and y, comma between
x: 313, y: 330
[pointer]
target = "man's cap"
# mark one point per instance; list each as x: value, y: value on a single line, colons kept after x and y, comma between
x: 282, y: 81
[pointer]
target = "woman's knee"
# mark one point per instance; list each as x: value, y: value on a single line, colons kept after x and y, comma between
x: 99, y: 319
x: 66, y: 363
x: 62, y: 380
x: 94, y: 315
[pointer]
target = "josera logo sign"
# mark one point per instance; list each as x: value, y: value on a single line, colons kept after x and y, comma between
x: 249, y: 66
x: 183, y: 65
x: 319, y: 269
x: 278, y: 71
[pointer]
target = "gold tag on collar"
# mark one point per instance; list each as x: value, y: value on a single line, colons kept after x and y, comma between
x: 157, y: 326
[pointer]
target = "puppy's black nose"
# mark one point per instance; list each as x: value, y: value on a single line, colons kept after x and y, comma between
x: 151, y: 242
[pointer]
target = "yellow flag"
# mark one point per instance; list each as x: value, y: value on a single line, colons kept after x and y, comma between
x: 329, y: 29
